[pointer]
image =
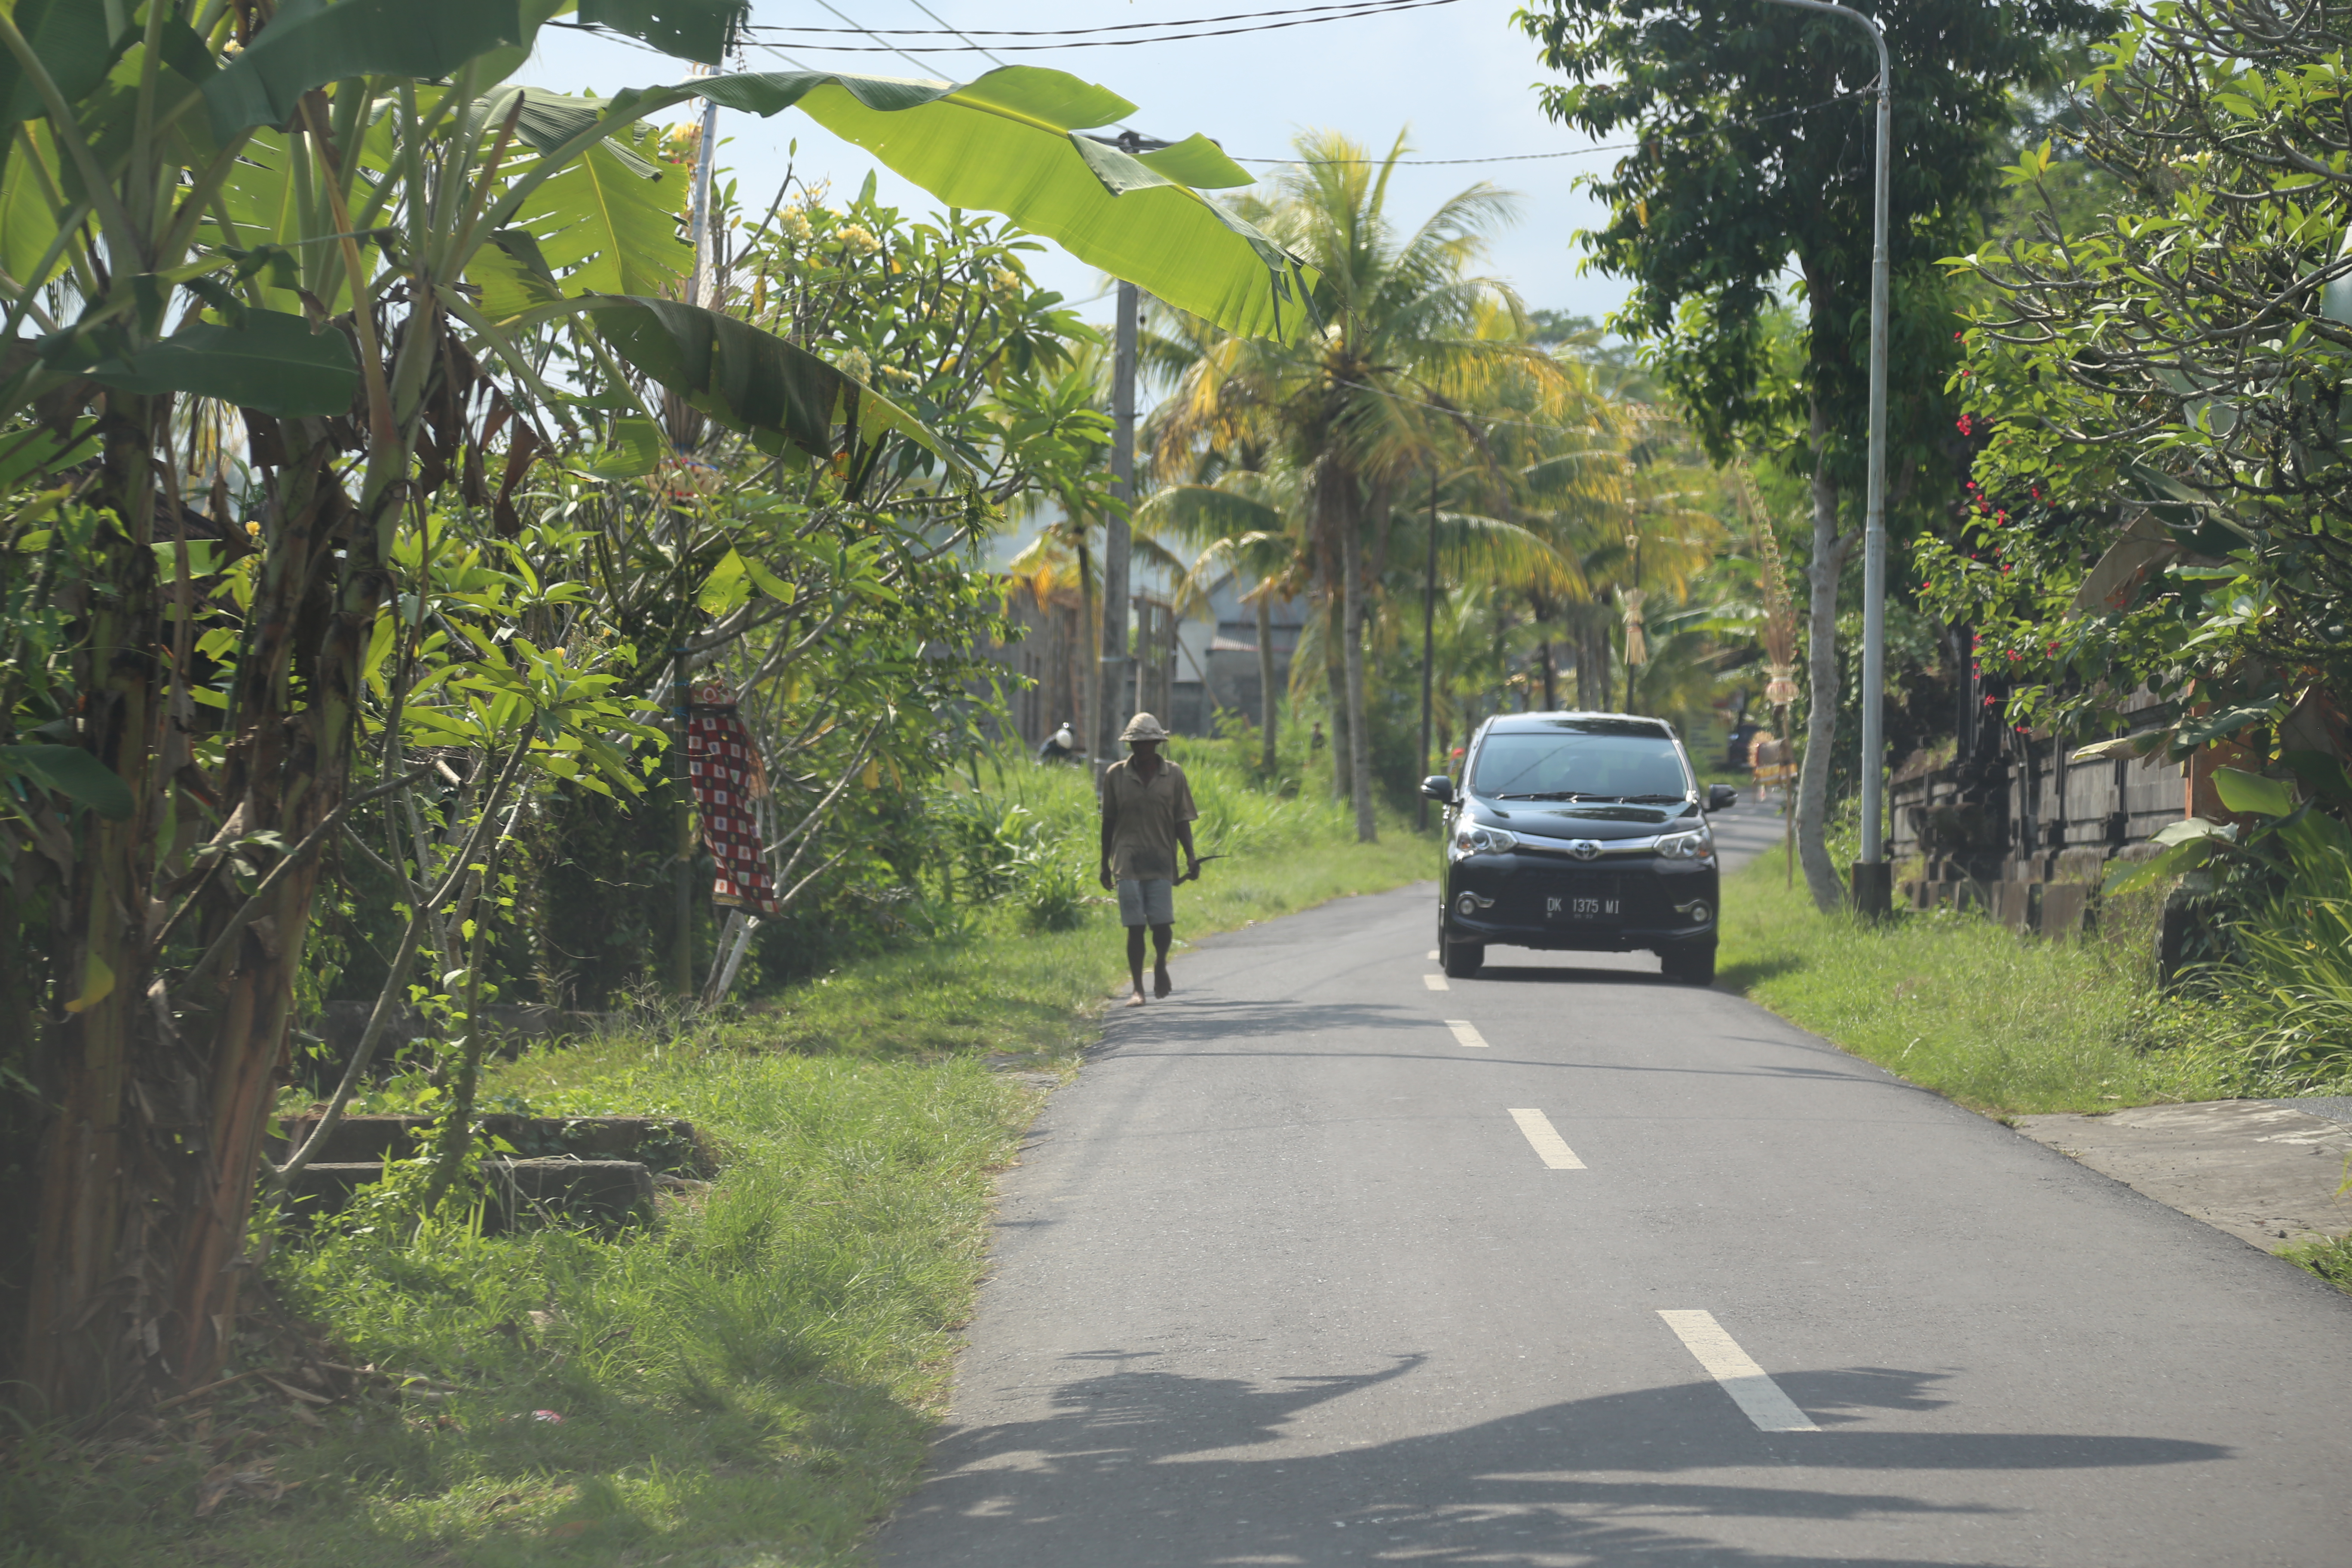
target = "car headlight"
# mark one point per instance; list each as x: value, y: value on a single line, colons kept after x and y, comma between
x: 1695, y: 845
x: 1472, y: 840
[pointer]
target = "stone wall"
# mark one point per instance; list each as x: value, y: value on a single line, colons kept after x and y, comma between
x: 2019, y: 830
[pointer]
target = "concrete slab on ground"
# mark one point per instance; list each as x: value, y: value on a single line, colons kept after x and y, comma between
x: 2265, y: 1174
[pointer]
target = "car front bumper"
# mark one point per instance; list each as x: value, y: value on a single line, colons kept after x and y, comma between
x: 1535, y: 900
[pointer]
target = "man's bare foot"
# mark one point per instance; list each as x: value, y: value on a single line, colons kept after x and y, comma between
x: 1160, y: 985
x: 1136, y: 1000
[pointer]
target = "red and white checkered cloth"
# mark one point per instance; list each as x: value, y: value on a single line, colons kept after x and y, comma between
x: 722, y: 768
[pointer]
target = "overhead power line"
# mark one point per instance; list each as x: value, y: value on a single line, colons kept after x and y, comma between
x: 968, y: 33
x: 801, y: 37
x: 942, y: 21
x: 853, y: 27
x: 1273, y: 163
x: 1571, y: 152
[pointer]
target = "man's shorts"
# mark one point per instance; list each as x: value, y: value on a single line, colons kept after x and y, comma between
x: 1147, y: 902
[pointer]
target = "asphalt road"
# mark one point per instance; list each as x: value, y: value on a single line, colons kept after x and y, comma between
x: 1317, y: 1264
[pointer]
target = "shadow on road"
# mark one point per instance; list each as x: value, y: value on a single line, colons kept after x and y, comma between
x: 1584, y: 1479
x: 1185, y: 1019
x: 1741, y: 976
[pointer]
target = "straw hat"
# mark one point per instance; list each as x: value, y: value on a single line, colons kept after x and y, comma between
x: 1143, y: 727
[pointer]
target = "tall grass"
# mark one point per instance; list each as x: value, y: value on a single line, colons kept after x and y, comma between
x: 2290, y: 971
x: 751, y: 1382
x: 1997, y: 1021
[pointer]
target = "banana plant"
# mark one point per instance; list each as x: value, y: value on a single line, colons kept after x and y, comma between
x: 334, y: 225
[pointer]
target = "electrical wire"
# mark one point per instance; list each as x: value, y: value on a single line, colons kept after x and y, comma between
x: 942, y: 21
x: 1077, y: 32
x: 801, y: 41
x: 1281, y: 162
x: 1571, y: 152
x: 876, y: 48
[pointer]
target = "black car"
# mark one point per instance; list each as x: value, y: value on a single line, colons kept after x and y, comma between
x: 1583, y: 833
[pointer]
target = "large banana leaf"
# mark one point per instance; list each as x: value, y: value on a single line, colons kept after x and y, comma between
x: 72, y: 772
x: 27, y: 223
x: 1011, y: 143
x: 310, y: 43
x: 690, y: 29
x: 612, y: 230
x: 71, y: 40
x: 750, y: 380
x: 271, y: 361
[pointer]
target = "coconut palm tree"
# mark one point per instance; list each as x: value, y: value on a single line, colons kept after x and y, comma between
x: 1409, y: 342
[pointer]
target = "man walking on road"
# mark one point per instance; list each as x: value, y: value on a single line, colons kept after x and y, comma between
x: 1147, y: 813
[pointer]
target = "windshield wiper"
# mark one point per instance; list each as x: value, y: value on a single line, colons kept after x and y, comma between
x: 1546, y: 794
x: 1649, y: 799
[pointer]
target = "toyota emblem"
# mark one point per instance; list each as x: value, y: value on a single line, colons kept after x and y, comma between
x: 1585, y: 849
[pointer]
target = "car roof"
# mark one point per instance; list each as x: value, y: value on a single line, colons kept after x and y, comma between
x: 1579, y: 724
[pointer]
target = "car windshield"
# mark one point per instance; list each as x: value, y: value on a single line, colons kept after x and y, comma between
x: 1559, y: 765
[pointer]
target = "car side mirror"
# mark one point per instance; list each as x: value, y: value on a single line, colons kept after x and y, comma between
x: 1439, y: 789
x: 1721, y: 797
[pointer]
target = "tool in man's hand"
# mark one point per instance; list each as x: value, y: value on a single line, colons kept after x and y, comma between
x: 1199, y: 862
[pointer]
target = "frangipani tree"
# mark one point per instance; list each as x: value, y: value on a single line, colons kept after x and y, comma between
x: 332, y: 224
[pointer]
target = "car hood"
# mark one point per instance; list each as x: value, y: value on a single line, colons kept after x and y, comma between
x: 1591, y: 819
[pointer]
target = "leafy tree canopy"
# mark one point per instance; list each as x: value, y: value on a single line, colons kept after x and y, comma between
x: 1755, y: 133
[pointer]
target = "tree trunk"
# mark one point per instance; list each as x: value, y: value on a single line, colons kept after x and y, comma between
x: 1089, y: 692
x: 1335, y: 685
x: 148, y: 1167
x: 1820, y: 714
x: 1593, y: 659
x: 1268, y: 700
x: 92, y: 1305
x: 1360, y: 740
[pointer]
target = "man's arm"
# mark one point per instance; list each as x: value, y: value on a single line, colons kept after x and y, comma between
x: 1109, y: 827
x: 1185, y: 813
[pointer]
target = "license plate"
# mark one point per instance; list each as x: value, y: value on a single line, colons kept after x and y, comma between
x: 1593, y: 906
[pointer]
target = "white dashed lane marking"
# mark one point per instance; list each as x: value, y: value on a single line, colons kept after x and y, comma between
x: 1436, y: 982
x: 1750, y: 1387
x: 1432, y: 955
x: 1467, y: 1033
x: 1545, y: 1139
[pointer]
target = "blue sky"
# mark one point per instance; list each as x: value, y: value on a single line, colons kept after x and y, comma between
x: 1458, y: 76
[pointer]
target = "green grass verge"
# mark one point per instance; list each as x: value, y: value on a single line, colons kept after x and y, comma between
x: 750, y: 1385
x: 1998, y: 1021
x: 2330, y: 1257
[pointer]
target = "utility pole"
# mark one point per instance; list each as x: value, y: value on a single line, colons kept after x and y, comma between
x: 1115, y: 531
x: 1428, y: 644
x: 1873, y: 879
x: 1116, y: 535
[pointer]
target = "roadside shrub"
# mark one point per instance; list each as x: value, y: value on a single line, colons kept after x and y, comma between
x: 2293, y: 972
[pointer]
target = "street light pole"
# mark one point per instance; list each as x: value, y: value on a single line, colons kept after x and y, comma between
x: 1872, y: 880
